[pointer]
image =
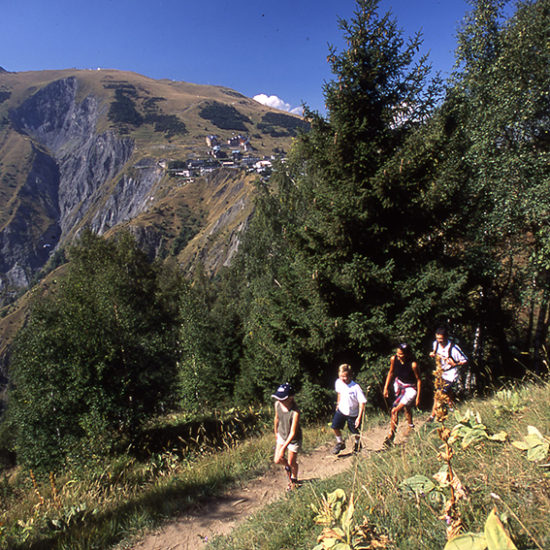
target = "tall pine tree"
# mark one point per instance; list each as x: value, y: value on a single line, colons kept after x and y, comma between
x: 347, y: 250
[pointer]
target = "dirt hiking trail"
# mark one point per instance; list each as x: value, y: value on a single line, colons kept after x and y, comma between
x: 219, y: 515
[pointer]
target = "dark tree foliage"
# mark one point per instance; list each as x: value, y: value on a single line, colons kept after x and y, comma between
x: 286, y: 121
x: 225, y: 117
x: 96, y: 358
x: 170, y: 125
x: 123, y: 110
x: 279, y: 124
x: 4, y: 95
x: 287, y: 328
x: 493, y: 179
x: 227, y: 313
x: 343, y: 256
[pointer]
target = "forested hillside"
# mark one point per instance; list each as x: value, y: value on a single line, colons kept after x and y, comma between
x: 412, y: 204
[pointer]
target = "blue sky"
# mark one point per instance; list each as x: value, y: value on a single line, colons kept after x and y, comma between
x: 255, y: 47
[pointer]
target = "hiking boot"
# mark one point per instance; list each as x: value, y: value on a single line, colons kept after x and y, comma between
x: 338, y: 447
x: 357, y: 447
x: 388, y: 442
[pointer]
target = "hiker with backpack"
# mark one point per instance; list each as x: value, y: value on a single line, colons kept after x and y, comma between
x: 452, y: 358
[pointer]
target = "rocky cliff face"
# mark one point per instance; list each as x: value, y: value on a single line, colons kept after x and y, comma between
x: 97, y: 148
x: 21, y: 253
x: 71, y: 178
x: 68, y: 131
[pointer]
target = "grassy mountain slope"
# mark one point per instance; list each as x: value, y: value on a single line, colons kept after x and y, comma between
x: 183, y: 100
x: 102, y: 157
x: 394, y: 501
x: 158, y: 122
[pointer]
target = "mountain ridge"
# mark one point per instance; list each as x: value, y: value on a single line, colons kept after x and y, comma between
x: 107, y: 134
x: 113, y: 150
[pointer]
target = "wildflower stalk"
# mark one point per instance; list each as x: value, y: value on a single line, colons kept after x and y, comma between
x: 55, y: 493
x: 452, y: 514
x: 35, y: 487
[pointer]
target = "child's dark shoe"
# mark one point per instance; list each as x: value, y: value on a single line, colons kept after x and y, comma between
x: 340, y: 446
x: 294, y: 484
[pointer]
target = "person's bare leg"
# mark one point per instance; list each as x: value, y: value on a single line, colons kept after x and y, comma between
x: 293, y: 463
x: 409, y: 416
x: 394, y: 419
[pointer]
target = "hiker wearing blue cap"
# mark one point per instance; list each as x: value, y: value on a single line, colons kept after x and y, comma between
x: 288, y: 432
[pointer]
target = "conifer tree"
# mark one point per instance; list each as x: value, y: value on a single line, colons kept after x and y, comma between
x: 286, y: 332
x: 365, y: 231
x: 346, y: 235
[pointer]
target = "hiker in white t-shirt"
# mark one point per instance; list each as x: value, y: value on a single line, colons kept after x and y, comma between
x: 451, y: 358
x: 350, y: 407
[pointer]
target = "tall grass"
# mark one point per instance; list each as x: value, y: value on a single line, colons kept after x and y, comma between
x: 119, y: 500
x: 495, y: 474
x: 108, y: 503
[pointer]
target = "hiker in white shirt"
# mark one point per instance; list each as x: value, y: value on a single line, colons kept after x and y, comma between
x: 350, y: 407
x: 451, y: 358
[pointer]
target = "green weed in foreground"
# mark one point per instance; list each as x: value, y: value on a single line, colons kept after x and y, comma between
x: 501, y: 487
x: 341, y: 531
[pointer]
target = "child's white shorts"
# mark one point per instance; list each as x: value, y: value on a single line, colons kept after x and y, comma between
x: 294, y: 447
x: 405, y: 395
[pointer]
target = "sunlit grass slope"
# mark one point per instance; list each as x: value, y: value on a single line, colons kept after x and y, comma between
x: 399, y: 504
x: 399, y: 513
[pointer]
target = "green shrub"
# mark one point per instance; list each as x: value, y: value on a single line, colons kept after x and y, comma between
x: 96, y: 359
x: 315, y: 402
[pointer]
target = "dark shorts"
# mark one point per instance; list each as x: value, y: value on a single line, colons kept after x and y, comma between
x: 449, y: 387
x: 339, y: 421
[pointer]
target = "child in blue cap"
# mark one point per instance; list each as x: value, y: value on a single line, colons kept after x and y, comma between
x: 288, y: 432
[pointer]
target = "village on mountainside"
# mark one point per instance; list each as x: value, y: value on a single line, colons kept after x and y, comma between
x: 230, y: 154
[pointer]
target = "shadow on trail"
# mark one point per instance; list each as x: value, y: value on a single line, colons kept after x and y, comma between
x: 108, y: 528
